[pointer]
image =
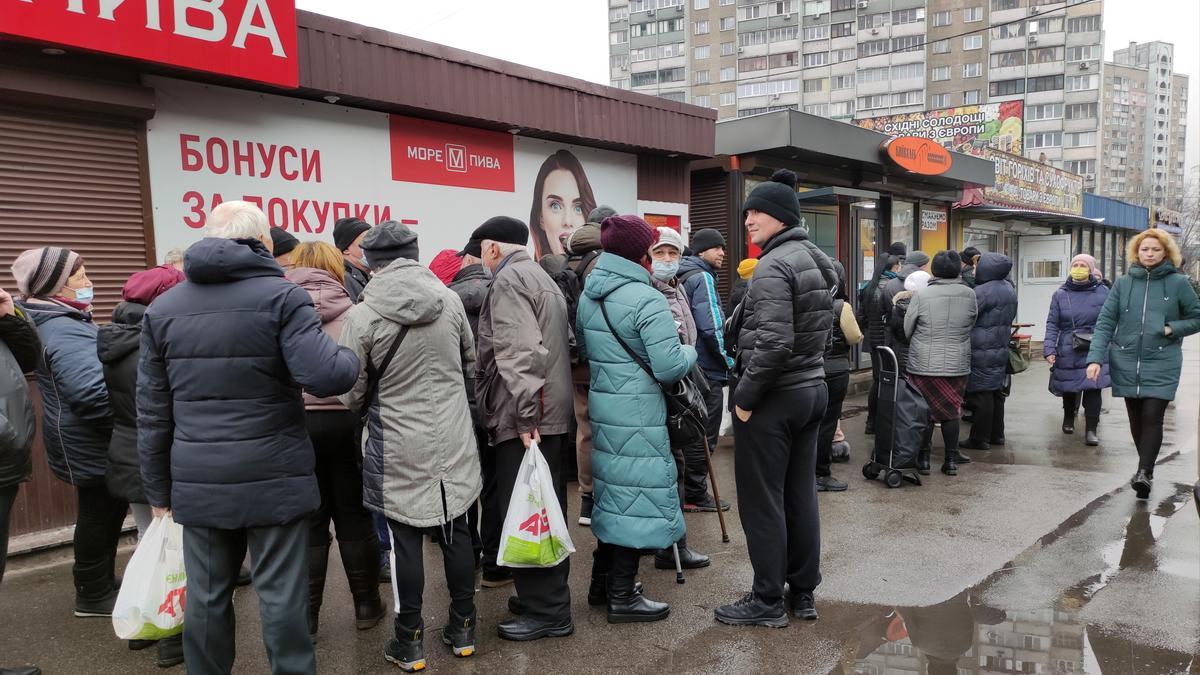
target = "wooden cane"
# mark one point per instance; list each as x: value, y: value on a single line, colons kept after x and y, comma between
x: 712, y: 479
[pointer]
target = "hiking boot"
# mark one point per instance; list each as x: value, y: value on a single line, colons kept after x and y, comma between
x: 459, y: 634
x: 496, y: 578
x: 586, y: 504
x: 170, y: 652
x: 407, y: 651
x: 1141, y: 483
x: 804, y: 606
x: 830, y: 484
x: 705, y: 505
x: 753, y: 611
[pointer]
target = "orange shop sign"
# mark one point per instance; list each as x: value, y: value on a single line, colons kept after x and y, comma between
x: 918, y: 155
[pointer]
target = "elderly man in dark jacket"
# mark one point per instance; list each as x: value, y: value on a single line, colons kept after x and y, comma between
x: 996, y: 299
x: 523, y: 387
x: 779, y: 396
x: 222, y: 439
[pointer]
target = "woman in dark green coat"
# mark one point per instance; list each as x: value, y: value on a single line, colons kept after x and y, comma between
x: 1141, y: 329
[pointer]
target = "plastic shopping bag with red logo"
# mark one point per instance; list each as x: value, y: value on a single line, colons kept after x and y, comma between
x: 154, y: 589
x: 535, y: 531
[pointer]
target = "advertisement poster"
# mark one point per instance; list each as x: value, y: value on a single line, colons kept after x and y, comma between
x: 308, y: 163
x: 1026, y: 184
x: 968, y: 129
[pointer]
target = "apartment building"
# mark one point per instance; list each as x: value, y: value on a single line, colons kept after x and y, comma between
x: 1145, y: 126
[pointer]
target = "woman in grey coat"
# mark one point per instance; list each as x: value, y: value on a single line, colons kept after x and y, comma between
x: 938, y: 325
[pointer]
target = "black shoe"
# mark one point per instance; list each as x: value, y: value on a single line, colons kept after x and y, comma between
x: 688, y: 559
x: 923, y: 461
x: 170, y: 652
x: 996, y: 441
x: 408, y: 654
x: 318, y: 565
x: 21, y: 670
x: 972, y: 444
x: 961, y: 457
x: 358, y: 559
x: 101, y: 606
x: 460, y: 634
x: 385, y: 567
x: 134, y: 646
x: 626, y: 604
x: 830, y: 484
x: 705, y: 505
x: 870, y: 428
x: 1068, y: 425
x: 840, y: 452
x: 515, y: 606
x: 586, y: 503
x: 501, y: 576
x: 597, y: 591
x: 524, y: 629
x: 804, y: 606
x: 1090, y: 437
x: 753, y: 611
x: 950, y: 465
x: 1141, y: 484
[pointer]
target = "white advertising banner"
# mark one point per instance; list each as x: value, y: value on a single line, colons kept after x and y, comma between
x: 307, y: 164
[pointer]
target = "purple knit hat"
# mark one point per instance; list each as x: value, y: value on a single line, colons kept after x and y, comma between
x: 42, y: 271
x: 627, y: 236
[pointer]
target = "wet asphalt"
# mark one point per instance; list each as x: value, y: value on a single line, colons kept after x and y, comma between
x: 1036, y: 558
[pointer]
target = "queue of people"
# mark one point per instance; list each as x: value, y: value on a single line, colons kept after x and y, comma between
x: 350, y: 386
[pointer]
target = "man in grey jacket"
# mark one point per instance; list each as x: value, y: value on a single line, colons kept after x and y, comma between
x: 917, y: 260
x: 523, y: 389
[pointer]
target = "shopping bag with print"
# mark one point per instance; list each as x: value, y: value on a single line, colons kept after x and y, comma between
x: 154, y: 590
x: 535, y: 531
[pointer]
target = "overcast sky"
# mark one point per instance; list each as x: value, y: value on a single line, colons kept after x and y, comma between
x: 571, y: 36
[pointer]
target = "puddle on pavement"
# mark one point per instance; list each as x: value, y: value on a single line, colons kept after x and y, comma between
x: 963, y: 636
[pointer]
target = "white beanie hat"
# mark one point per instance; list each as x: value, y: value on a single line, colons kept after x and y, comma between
x: 668, y: 236
x: 917, y: 280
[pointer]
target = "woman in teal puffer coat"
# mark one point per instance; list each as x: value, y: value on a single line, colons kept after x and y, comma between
x: 1141, y: 329
x: 636, y: 503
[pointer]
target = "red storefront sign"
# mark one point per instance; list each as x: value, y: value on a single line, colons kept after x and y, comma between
x: 436, y: 153
x: 250, y: 39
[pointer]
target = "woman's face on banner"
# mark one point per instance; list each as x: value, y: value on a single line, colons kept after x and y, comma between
x: 562, y: 207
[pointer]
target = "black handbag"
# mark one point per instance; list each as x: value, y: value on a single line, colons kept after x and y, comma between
x: 1081, y: 341
x: 687, y: 414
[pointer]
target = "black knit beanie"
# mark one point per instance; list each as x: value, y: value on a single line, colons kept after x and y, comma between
x: 946, y: 265
x: 776, y: 198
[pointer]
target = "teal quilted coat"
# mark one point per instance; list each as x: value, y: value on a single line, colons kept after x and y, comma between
x: 637, y: 505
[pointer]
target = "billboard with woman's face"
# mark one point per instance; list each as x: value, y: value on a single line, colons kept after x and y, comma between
x: 562, y: 200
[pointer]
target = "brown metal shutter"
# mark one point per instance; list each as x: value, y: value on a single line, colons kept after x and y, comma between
x: 74, y: 182
x: 710, y: 208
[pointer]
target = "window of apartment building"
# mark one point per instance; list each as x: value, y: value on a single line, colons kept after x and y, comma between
x: 703, y: 101
x: 784, y: 60
x: 727, y: 49
x: 872, y: 47
x: 1084, y: 53
x: 618, y: 61
x: 700, y: 77
x: 816, y: 32
x: 1007, y: 59
x: 903, y: 16
x: 814, y: 7
x: 728, y: 23
x: 940, y: 73
x: 643, y: 5
x: 1082, y: 166
x: 1006, y: 87
x: 820, y: 109
x: 873, y: 102
x: 768, y: 88
x: 699, y: 4
x: 941, y: 47
x: 840, y: 55
x: 972, y: 42
x: 1053, y: 24
x: 671, y: 25
x: 751, y: 64
x: 671, y: 74
x: 728, y: 74
x: 908, y: 97
x: 816, y: 84
x: 670, y: 51
x: 725, y: 3
x: 622, y: 83
x: 783, y: 34
x: 1010, y: 30
x: 1082, y: 111
x: 1083, y: 24
x: 729, y: 98
x: 1045, y: 111
x: 1082, y: 82
x: 816, y: 59
x: 869, y: 75
x: 1046, y: 55
x: 700, y: 53
x: 758, y: 37
x: 841, y: 109
x: 972, y: 14
x: 942, y: 18
x: 972, y: 69
x: 640, y: 29
x: 873, y: 20
x: 939, y: 101
x: 680, y: 96
x: 752, y: 12
x: 700, y: 28
x: 842, y: 5
x: 909, y: 71
x: 1079, y: 139
x: 845, y: 29
x: 839, y: 82
x: 1049, y: 139
x: 618, y: 37
x: 972, y: 96
x: 618, y: 13
x: 908, y: 43
x: 643, y: 79
x: 1045, y: 83
x: 1001, y: 5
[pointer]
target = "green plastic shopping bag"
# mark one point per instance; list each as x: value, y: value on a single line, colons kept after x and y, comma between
x: 153, y: 591
x: 535, y: 531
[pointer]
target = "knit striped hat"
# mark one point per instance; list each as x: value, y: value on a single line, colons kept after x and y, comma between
x: 42, y: 271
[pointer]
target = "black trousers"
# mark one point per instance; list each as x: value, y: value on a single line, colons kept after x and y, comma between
x: 837, y: 386
x: 619, y: 562
x: 543, y: 591
x: 458, y: 561
x: 339, y: 478
x: 873, y: 396
x: 473, y: 521
x: 1091, y: 402
x: 491, y: 519
x: 279, y: 567
x: 987, y: 425
x: 775, y: 465
x: 97, y: 529
x: 8, y: 496
x: 695, y: 470
x: 1146, y: 424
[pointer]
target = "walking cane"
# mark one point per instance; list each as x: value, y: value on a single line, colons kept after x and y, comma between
x: 712, y: 479
x: 678, y: 565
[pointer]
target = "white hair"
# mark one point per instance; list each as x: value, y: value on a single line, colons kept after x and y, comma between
x: 506, y: 247
x: 174, y: 256
x: 237, y: 220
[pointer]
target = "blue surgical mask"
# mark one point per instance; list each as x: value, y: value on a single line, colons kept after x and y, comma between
x: 363, y: 260
x: 664, y: 270
x: 84, y: 294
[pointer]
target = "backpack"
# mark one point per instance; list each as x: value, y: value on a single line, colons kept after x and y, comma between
x: 570, y: 282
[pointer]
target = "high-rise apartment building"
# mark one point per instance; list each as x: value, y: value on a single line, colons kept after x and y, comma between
x: 1145, y: 126
x: 852, y: 59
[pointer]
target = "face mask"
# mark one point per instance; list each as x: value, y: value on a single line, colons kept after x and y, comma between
x: 84, y: 295
x: 1079, y: 273
x: 664, y: 270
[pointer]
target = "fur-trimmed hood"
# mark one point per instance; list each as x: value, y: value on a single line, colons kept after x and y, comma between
x: 1164, y: 237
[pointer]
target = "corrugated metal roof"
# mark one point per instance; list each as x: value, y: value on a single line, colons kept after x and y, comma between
x: 1115, y: 212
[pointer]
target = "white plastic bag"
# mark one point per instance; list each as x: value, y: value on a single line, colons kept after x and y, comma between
x: 535, y: 531
x: 154, y: 589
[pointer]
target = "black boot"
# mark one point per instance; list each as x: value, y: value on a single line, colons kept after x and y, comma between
x: 950, y: 465
x: 407, y: 649
x: 688, y: 559
x: 1091, y: 438
x: 923, y: 460
x: 1142, y: 482
x: 360, y: 558
x: 318, y: 564
x: 625, y: 604
x: 95, y: 593
x: 459, y: 633
x: 597, y: 593
x: 1068, y: 426
x: 170, y: 651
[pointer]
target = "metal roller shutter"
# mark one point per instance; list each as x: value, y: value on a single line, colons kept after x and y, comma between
x: 74, y: 182
x: 710, y: 208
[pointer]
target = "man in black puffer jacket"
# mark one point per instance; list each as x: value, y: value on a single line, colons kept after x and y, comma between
x: 779, y: 398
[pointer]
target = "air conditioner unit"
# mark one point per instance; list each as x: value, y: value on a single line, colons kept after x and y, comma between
x: 1033, y: 39
x: 1033, y: 9
x: 787, y: 16
x: 741, y: 50
x: 863, y: 4
x: 874, y: 31
x: 1084, y: 66
x: 1089, y: 177
x: 650, y: 13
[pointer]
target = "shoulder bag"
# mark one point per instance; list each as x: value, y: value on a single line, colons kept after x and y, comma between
x: 1080, y: 341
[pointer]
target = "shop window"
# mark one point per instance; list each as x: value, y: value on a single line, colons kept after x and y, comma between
x: 1042, y: 270
x: 902, y: 222
x: 983, y: 240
